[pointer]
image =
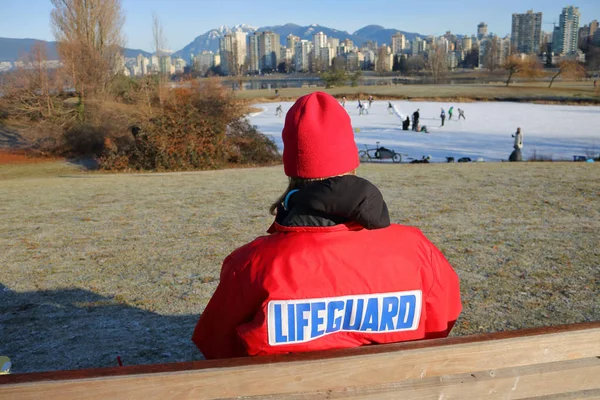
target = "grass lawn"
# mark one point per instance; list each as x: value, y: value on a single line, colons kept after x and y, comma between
x: 97, y: 265
x: 533, y: 91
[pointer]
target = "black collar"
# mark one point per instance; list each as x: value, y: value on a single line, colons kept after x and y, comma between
x: 336, y: 201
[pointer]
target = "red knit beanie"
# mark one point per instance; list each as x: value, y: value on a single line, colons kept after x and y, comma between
x: 318, y: 139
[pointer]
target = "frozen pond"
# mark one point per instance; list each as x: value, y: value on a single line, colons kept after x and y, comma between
x: 559, y: 131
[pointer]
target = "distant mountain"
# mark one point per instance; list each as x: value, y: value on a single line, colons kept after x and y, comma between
x: 14, y: 49
x: 210, y: 39
x: 382, y: 35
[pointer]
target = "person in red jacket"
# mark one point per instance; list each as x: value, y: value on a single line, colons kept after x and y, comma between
x: 333, y: 271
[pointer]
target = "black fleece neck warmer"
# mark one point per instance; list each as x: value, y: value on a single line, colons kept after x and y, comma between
x: 336, y: 201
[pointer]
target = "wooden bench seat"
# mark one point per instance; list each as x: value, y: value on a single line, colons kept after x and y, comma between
x: 545, y: 363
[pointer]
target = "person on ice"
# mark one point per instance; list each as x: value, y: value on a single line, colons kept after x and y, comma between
x: 516, y: 155
x: 416, y: 117
x: 370, y: 101
x: 390, y: 108
x: 443, y: 116
x: 333, y: 272
x: 344, y: 101
x: 461, y: 113
x: 361, y: 107
x: 406, y: 124
x: 279, y: 111
x: 450, y: 111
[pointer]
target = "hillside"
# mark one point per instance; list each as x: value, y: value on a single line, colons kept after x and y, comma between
x: 14, y: 49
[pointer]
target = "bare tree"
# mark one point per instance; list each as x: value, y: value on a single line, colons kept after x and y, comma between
x: 90, y: 41
x: 159, y: 41
x: 491, y: 54
x: 437, y: 64
x: 570, y: 69
x: 527, y: 66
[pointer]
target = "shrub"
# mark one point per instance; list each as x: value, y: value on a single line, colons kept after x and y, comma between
x: 249, y: 146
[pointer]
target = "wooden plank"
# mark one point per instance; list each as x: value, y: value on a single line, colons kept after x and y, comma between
x: 320, y: 355
x: 322, y: 375
x: 560, y: 380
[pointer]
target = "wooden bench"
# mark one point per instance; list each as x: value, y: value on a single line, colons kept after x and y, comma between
x: 547, y: 363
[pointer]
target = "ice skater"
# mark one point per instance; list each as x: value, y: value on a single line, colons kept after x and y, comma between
x: 416, y: 117
x: 516, y: 155
x: 390, y: 108
x: 361, y: 107
x: 450, y: 111
x: 278, y: 111
x: 461, y: 113
x: 443, y: 116
x: 344, y: 101
x: 406, y: 124
x: 370, y: 101
x: 422, y: 129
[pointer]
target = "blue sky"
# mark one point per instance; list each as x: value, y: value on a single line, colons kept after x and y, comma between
x: 183, y: 20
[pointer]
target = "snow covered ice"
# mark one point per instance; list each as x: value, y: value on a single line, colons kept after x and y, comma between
x: 560, y: 131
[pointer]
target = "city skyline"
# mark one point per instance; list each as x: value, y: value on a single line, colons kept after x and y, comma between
x: 184, y: 20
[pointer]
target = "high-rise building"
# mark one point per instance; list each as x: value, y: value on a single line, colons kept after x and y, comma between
x: 326, y: 55
x: 482, y: 30
x: 467, y: 43
x: 526, y: 34
x: 165, y: 65
x: 567, y: 33
x: 253, y: 54
x: 398, y: 43
x: 205, y: 60
x: 291, y: 43
x: 333, y: 43
x: 240, y: 47
x: 319, y: 41
x: 418, y: 46
x: 302, y: 55
x: 269, y: 49
x: 593, y: 27
x: 226, y: 50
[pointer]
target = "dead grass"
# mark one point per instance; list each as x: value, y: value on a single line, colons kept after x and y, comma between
x: 537, y: 92
x: 100, y: 265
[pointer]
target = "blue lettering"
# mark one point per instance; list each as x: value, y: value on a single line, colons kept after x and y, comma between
x: 302, y: 321
x: 390, y: 310
x: 371, y: 321
x: 316, y: 320
x: 408, y: 304
x: 291, y: 323
x: 334, y: 324
x: 279, y: 336
x: 348, y: 315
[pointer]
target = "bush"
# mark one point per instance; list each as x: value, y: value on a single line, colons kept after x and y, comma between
x: 198, y: 127
x: 249, y: 146
x: 84, y: 140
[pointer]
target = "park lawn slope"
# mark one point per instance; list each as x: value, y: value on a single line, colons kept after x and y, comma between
x: 96, y: 266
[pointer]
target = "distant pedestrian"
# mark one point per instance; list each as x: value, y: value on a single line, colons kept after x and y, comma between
x: 443, y: 116
x: 516, y: 155
x: 276, y: 92
x: 406, y: 124
x: 361, y: 107
x: 344, y: 101
x: 450, y: 111
x: 416, y: 117
x: 390, y: 108
x: 370, y: 101
x: 279, y: 111
x: 461, y: 113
